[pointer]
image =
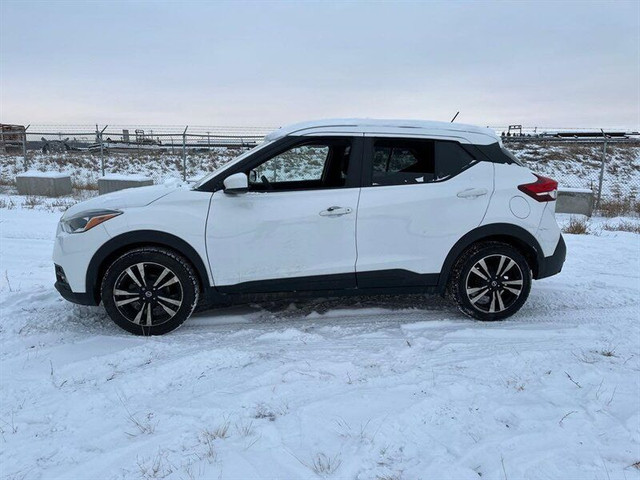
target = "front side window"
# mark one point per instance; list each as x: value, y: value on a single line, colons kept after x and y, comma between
x: 408, y: 161
x: 316, y: 164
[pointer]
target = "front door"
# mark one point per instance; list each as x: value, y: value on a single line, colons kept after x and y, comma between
x: 295, y: 229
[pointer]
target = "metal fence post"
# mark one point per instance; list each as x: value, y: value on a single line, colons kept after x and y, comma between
x: 99, y: 135
x: 604, y: 157
x: 184, y: 154
x: 24, y: 148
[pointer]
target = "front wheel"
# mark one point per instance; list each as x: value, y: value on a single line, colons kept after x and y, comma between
x: 490, y: 281
x: 150, y: 291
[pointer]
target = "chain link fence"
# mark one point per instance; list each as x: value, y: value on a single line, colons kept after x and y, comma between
x: 161, y: 153
x: 609, y: 165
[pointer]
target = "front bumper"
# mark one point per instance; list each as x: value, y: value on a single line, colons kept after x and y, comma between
x: 553, y: 265
x: 79, y: 298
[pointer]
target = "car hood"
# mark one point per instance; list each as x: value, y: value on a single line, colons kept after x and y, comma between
x: 128, y: 198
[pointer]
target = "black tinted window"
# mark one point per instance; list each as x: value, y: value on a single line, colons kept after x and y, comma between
x: 451, y: 158
x: 404, y: 162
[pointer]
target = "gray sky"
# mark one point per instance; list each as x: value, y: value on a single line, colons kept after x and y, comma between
x: 554, y: 64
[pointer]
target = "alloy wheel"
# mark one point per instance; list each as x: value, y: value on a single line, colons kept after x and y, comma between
x: 494, y: 283
x: 148, y: 294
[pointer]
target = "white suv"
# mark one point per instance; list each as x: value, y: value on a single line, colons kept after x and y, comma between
x: 326, y: 208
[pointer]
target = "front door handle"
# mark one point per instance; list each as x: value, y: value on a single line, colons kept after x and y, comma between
x: 335, y: 211
x: 473, y: 192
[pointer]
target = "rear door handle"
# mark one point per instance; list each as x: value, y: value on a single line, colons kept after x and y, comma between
x: 473, y: 192
x: 335, y: 211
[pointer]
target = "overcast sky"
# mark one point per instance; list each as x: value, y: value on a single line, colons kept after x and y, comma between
x: 554, y: 64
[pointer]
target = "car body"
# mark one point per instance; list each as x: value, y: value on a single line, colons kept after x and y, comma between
x: 330, y: 207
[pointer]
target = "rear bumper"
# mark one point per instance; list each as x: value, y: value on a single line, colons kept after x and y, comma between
x: 552, y: 265
x: 79, y: 298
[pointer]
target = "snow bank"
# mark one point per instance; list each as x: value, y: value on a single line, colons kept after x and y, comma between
x: 39, y: 174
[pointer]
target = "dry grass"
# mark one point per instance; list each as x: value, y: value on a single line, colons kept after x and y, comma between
x: 576, y: 226
x: 617, y: 207
x: 622, y: 226
x: 322, y: 464
x: 9, y: 204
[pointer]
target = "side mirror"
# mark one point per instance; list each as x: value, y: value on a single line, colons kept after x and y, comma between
x: 236, y: 183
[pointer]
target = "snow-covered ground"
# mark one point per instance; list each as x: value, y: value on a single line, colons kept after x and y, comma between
x: 390, y: 388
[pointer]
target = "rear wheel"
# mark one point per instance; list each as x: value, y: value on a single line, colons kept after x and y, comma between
x: 490, y: 281
x: 150, y: 291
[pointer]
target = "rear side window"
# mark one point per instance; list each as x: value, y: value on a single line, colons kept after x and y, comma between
x: 405, y: 161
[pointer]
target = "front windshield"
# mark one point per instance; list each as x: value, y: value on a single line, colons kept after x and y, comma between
x: 221, y: 168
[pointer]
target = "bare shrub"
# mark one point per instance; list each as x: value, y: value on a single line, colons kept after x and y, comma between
x: 576, y: 226
x: 622, y: 226
x: 32, y: 202
x: 616, y: 207
x: 9, y: 204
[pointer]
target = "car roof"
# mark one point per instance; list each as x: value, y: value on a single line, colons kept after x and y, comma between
x: 381, y: 127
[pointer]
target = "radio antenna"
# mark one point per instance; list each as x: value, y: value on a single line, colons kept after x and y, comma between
x: 454, y: 117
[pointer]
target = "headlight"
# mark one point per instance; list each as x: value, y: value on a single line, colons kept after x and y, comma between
x: 81, y: 222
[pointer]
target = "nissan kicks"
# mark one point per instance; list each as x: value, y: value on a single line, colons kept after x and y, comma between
x: 326, y: 208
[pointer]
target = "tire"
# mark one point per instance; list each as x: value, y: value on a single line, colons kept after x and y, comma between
x: 490, y: 281
x: 150, y: 291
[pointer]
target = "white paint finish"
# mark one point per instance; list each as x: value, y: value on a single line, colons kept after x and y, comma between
x: 183, y: 213
x: 236, y: 181
x: 507, y: 179
x: 413, y: 227
x: 259, y: 236
x: 134, y: 197
x: 548, y: 233
x: 73, y: 252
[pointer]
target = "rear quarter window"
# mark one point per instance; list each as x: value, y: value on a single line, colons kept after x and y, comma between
x: 451, y: 159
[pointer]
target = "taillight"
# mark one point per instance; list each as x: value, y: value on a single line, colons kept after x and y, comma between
x: 543, y: 190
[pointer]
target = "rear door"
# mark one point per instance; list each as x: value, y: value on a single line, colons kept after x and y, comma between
x: 295, y: 229
x: 419, y: 197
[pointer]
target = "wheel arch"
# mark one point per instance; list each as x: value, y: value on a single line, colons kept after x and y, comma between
x: 507, y: 233
x: 118, y: 245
